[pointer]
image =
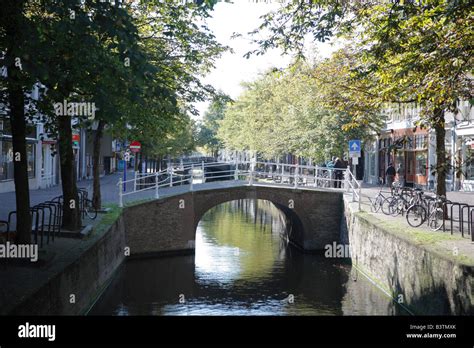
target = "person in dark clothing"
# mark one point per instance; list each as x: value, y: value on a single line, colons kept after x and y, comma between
x: 390, y: 175
x: 339, y: 173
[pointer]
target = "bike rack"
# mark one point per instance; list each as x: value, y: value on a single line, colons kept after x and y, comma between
x: 468, y: 218
x: 58, y: 211
x: 472, y: 222
x: 51, y: 217
x: 460, y: 218
x: 35, y: 211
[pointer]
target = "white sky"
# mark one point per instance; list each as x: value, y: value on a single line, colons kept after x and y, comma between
x: 231, y: 69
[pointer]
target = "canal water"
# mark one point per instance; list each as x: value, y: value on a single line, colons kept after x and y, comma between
x: 242, y: 266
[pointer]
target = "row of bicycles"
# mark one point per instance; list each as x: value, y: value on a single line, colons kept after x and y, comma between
x: 417, y: 206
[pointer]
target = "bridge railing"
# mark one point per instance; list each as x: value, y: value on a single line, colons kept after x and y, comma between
x: 251, y: 172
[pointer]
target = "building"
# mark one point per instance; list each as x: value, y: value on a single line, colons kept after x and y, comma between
x: 43, y: 163
x: 412, y: 148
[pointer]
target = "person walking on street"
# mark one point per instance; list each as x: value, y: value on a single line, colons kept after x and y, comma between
x: 390, y: 175
x: 339, y: 174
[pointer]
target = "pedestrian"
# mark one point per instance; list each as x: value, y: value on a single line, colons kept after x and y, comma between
x: 339, y: 173
x: 331, y: 163
x: 400, y: 175
x: 390, y: 175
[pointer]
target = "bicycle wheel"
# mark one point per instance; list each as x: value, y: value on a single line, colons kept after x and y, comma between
x: 375, y: 204
x: 89, y: 209
x: 435, y: 220
x: 385, y: 205
x: 395, y: 207
x: 416, y: 215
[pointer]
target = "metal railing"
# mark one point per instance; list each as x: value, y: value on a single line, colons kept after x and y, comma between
x: 252, y: 172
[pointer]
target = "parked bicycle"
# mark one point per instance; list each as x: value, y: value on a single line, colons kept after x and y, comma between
x: 436, y: 217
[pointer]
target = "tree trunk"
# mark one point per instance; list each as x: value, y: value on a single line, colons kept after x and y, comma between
x: 20, y: 165
x: 96, y: 197
x: 14, y: 29
x: 71, y: 207
x: 441, y: 165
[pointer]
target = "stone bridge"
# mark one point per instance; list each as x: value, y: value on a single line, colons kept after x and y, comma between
x: 169, y: 224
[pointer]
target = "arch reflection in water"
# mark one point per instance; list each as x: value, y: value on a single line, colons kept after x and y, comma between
x: 242, y: 266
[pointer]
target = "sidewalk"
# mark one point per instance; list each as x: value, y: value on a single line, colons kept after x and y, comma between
x: 454, y: 196
x: 108, y: 189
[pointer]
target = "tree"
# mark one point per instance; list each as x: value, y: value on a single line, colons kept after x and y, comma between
x: 288, y: 112
x: 407, y: 51
x: 207, y: 133
x: 422, y: 53
x: 15, y: 33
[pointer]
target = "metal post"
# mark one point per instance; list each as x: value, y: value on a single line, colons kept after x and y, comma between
x: 236, y: 172
x: 282, y: 172
x: 203, y: 173
x: 360, y: 193
x: 296, y: 175
x: 125, y: 177
x: 316, y: 172
x: 347, y: 177
x: 192, y: 177
x: 120, y: 193
x: 170, y: 171
x: 251, y: 174
x: 135, y: 182
x: 157, y: 195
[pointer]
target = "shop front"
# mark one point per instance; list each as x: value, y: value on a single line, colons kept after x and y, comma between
x: 407, y: 150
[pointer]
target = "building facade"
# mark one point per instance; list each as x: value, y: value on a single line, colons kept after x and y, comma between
x: 412, y: 149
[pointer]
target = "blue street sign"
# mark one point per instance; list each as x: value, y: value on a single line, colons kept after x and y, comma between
x: 354, y: 148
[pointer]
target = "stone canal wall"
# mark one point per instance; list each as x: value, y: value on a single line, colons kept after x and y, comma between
x: 426, y: 280
x: 74, y: 281
x: 408, y: 265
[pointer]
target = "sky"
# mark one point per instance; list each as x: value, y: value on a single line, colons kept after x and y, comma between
x: 231, y: 69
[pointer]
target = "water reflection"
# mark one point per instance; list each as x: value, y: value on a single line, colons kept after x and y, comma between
x: 242, y: 266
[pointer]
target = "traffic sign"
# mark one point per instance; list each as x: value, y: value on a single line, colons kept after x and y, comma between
x: 126, y: 156
x: 135, y: 146
x: 354, y: 148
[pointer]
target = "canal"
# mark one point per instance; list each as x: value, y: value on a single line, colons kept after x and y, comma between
x: 242, y: 266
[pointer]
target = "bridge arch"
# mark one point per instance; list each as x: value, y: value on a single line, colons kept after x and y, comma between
x: 169, y: 224
x: 293, y: 223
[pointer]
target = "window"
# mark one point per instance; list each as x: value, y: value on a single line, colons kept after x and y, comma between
x: 7, y: 157
x: 408, y: 142
x: 469, y: 166
x: 372, y: 159
x: 421, y: 141
x: 421, y: 163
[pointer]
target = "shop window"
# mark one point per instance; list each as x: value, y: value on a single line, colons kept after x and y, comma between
x: 421, y: 163
x: 7, y: 158
x: 372, y: 159
x: 470, y: 168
